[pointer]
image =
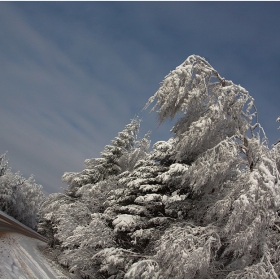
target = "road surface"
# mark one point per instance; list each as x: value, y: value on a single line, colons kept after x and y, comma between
x: 20, y: 256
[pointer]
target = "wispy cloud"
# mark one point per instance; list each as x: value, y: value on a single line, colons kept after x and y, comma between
x: 73, y: 74
x: 53, y: 114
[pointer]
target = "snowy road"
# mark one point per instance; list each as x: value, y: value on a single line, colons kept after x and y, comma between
x: 21, y: 258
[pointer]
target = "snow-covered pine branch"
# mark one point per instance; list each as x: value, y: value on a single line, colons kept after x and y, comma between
x: 203, y: 204
x: 212, y: 109
x: 116, y: 158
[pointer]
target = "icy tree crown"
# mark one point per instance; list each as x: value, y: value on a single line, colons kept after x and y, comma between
x: 212, y: 108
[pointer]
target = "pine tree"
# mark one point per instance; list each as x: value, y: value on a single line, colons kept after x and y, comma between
x: 222, y: 181
x: 204, y: 204
x: 231, y: 178
x: 74, y: 221
x: 98, y: 169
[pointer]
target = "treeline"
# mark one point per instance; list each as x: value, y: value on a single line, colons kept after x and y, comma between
x: 20, y: 198
x: 203, y: 204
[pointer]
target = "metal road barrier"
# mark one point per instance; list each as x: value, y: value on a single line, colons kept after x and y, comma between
x: 8, y: 223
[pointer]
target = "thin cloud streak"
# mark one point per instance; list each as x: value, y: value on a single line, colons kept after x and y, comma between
x: 73, y: 74
x: 47, y: 115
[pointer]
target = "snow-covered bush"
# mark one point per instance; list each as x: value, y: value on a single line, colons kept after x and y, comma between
x: 144, y: 269
x: 85, y: 241
x: 114, y: 261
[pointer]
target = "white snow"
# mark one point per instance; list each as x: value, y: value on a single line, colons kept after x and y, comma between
x: 21, y: 258
x: 146, y: 199
x: 125, y: 222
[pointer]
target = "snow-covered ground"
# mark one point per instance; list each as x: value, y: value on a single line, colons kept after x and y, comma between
x: 21, y: 258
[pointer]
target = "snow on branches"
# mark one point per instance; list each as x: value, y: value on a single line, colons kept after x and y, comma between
x: 204, y: 204
x: 20, y: 198
x: 123, y: 154
x: 212, y: 107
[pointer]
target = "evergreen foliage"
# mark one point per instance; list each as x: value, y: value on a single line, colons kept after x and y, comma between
x: 115, y: 158
x: 20, y: 198
x: 204, y: 204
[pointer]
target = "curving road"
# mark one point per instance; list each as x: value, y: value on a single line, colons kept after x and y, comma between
x: 7, y: 223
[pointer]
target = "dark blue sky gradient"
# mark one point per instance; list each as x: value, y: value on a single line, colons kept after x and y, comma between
x: 73, y: 74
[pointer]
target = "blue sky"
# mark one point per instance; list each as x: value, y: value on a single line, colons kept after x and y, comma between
x: 73, y: 74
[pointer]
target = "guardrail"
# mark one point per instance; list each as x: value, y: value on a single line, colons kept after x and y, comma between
x: 8, y: 223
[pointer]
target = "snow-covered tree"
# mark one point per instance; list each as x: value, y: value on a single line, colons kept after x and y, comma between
x: 73, y: 221
x: 28, y: 199
x: 3, y: 164
x: 212, y: 108
x: 60, y: 215
x: 231, y: 177
x: 204, y: 204
x: 122, y: 154
x: 8, y: 183
x: 219, y: 165
x: 21, y: 198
